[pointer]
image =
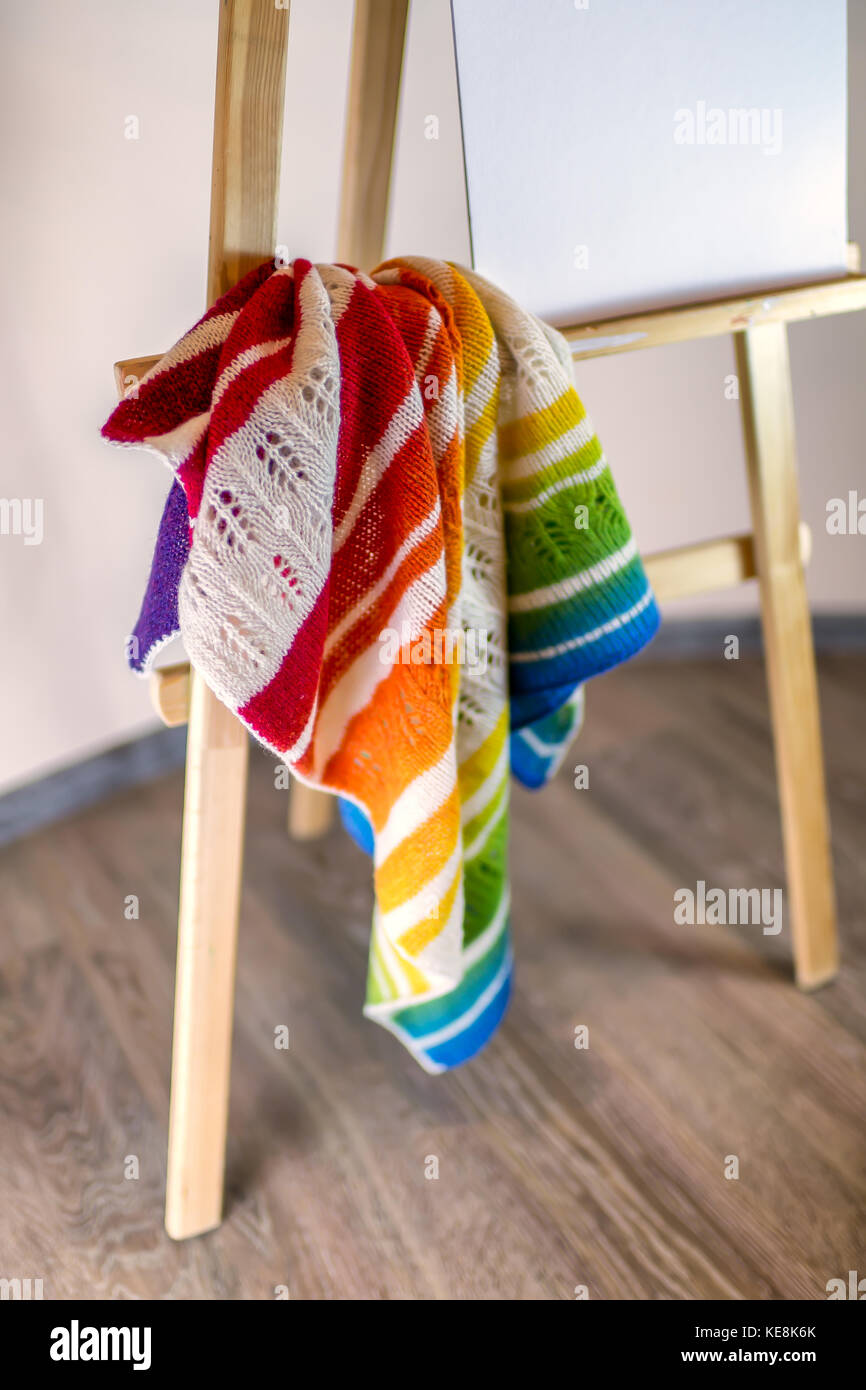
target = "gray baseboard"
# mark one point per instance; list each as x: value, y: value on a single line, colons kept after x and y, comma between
x: 51, y: 798
x: 94, y: 779
x: 686, y: 639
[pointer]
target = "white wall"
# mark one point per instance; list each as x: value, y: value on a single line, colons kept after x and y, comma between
x: 104, y: 244
x: 602, y: 183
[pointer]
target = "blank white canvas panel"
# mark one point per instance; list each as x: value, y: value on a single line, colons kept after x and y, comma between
x: 624, y: 155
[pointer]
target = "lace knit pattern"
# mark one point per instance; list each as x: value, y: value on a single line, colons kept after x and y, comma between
x: 403, y: 452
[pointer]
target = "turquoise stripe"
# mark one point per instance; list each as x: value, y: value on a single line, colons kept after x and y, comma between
x: 581, y: 613
x: 420, y: 1019
x: 538, y: 749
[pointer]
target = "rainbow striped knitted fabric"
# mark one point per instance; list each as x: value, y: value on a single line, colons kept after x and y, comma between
x: 394, y: 548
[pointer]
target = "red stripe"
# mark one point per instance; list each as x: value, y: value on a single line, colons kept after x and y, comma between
x: 167, y: 401
x: 277, y: 312
x: 376, y: 374
x: 279, y: 712
x: 191, y: 475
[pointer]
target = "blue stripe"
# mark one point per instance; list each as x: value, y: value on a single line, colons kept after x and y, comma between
x: 357, y: 824
x: 591, y: 659
x: 527, y: 766
x: 466, y: 1044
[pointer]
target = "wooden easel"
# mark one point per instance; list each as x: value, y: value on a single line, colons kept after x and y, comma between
x: 253, y: 36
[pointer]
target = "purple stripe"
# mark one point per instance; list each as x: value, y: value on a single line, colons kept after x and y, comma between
x: 158, y: 619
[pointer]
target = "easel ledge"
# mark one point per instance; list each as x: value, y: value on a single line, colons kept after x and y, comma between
x: 709, y: 319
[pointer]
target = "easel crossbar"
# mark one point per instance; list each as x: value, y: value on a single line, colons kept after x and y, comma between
x: 630, y: 332
x: 677, y: 573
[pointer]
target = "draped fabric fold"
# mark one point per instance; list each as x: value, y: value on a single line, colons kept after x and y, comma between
x: 394, y: 548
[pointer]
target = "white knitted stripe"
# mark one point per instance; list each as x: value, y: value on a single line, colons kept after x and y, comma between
x: 474, y: 847
x: 408, y: 417
x: 340, y: 286
x: 268, y: 493
x: 622, y: 620
x: 541, y: 749
x: 586, y: 475
x: 483, y: 389
x: 440, y: 959
x: 575, y: 583
x: 442, y: 419
x: 389, y: 276
x: 561, y: 347
x: 527, y: 339
x: 431, y: 333
x: 298, y: 749
x: 391, y: 959
x: 482, y: 944
x: 442, y: 956
x: 438, y: 980
x: 483, y: 601
x: 177, y: 445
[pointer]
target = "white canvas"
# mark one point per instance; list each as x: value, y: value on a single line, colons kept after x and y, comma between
x: 609, y: 166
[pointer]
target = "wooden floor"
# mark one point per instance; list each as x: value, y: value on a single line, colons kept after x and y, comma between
x: 557, y: 1167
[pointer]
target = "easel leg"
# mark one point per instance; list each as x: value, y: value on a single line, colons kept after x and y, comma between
x: 211, y: 860
x: 248, y: 117
x: 310, y: 811
x: 378, y: 36
x: 768, y: 421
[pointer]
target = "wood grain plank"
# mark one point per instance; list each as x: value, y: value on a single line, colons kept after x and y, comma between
x: 556, y: 1166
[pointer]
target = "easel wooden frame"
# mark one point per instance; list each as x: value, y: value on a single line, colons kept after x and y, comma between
x: 253, y: 36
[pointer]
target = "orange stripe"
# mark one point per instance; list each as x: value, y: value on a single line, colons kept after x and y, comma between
x: 404, y: 730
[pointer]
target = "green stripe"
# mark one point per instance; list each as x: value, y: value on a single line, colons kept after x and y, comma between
x: 524, y: 489
x: 544, y: 549
x: 484, y: 882
x: 584, y: 610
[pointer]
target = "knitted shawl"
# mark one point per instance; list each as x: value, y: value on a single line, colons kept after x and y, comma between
x: 394, y: 549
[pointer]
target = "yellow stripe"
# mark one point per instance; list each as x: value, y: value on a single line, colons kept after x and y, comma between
x: 479, y: 766
x: 420, y: 856
x: 476, y: 330
x: 422, y: 933
x: 540, y: 428
x: 478, y: 435
x: 477, y: 824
